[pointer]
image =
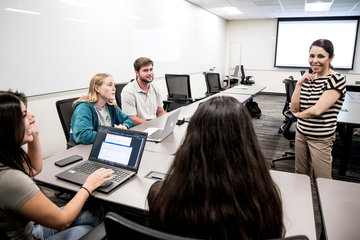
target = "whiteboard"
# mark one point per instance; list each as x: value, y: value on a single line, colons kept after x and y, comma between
x: 51, y: 46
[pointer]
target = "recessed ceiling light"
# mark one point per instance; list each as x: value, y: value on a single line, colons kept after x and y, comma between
x: 230, y: 10
x: 318, y: 6
x: 21, y: 11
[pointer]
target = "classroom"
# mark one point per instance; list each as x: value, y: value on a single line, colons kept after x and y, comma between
x: 51, y: 49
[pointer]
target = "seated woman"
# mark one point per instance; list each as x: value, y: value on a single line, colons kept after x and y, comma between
x: 21, y: 201
x: 97, y: 108
x: 219, y: 185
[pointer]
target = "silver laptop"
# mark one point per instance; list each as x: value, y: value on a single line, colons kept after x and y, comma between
x: 158, y: 134
x: 115, y: 148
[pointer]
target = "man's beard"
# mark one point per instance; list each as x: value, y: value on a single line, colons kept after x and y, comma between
x: 145, y: 80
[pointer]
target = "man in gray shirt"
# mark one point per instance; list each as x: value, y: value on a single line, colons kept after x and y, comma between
x: 141, y: 99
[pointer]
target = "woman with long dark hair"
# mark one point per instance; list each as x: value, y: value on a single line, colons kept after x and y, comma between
x: 21, y: 201
x: 219, y: 185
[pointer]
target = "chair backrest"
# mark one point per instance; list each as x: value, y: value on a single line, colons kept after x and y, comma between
x: 212, y: 83
x: 119, y: 87
x: 236, y: 71
x: 178, y: 86
x: 242, y: 71
x: 118, y: 227
x: 65, y: 110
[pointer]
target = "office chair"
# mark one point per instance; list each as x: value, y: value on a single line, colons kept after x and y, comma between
x: 119, y: 87
x: 65, y: 110
x: 118, y: 227
x: 288, y: 129
x: 212, y: 83
x: 245, y: 79
x: 179, y: 91
x: 234, y: 78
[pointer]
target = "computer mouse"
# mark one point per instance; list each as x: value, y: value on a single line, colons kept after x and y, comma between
x: 106, y: 184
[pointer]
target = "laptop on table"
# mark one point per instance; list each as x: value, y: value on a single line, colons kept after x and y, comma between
x: 115, y: 148
x: 158, y: 134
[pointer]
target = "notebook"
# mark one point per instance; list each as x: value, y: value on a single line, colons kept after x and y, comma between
x: 158, y: 134
x: 115, y: 148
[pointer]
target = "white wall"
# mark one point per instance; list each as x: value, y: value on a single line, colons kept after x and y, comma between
x: 258, y: 59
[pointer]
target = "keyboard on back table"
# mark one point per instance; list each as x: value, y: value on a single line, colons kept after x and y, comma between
x: 91, y: 167
x: 156, y: 135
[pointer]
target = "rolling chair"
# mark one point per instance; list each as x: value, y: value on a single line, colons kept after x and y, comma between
x: 245, y: 79
x: 234, y: 78
x: 117, y: 227
x: 119, y: 87
x: 179, y: 91
x: 212, y: 83
x: 65, y: 110
x: 288, y: 129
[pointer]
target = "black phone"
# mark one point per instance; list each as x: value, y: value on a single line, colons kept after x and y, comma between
x: 66, y: 161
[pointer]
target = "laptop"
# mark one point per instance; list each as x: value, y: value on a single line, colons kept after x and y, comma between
x: 158, y: 134
x: 115, y: 148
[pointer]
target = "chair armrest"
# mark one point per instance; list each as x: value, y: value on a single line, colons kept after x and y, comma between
x: 70, y: 144
x: 97, y: 233
x: 198, y: 99
x: 166, y: 104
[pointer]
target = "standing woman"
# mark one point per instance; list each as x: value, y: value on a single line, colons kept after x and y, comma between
x: 97, y: 108
x: 21, y: 200
x: 219, y: 185
x: 316, y: 102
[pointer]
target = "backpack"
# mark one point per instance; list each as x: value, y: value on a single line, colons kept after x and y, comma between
x: 253, y: 109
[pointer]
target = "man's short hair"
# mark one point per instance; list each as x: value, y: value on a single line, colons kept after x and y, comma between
x: 142, y: 61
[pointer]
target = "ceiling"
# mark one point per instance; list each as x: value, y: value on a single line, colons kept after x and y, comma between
x: 260, y: 9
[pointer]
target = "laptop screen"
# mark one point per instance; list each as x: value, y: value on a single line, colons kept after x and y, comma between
x: 118, y: 147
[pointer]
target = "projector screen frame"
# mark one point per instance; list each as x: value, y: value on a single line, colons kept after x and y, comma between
x: 312, y: 19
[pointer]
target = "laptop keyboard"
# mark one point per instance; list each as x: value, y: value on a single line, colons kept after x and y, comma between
x: 156, y: 135
x: 91, y: 167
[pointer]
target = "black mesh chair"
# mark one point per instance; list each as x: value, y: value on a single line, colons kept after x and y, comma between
x: 212, y: 83
x: 65, y: 110
x: 245, y: 79
x: 119, y: 87
x: 118, y: 227
x: 288, y: 129
x: 179, y: 92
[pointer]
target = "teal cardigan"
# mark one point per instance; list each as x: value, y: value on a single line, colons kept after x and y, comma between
x: 84, y: 121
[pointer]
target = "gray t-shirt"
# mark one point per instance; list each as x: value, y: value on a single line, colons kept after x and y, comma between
x: 135, y: 102
x: 16, y: 188
x: 103, y: 115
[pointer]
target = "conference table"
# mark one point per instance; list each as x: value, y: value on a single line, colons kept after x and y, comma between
x: 157, y: 157
x: 170, y: 144
x: 349, y: 116
x: 295, y: 189
x: 339, y: 202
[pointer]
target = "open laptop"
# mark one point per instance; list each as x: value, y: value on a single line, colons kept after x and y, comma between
x: 158, y: 134
x: 115, y: 148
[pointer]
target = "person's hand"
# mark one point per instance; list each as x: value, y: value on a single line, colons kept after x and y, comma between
x: 97, y: 178
x: 307, y: 77
x: 121, y: 126
x: 33, y: 124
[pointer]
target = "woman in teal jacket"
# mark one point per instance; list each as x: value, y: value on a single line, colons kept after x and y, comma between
x: 97, y: 108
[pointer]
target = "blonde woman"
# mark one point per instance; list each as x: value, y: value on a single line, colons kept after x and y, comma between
x: 97, y: 108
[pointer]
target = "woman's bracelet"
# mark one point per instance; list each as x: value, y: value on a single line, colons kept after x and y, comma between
x: 86, y: 190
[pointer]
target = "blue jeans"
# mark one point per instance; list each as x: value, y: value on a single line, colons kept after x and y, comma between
x: 87, y: 219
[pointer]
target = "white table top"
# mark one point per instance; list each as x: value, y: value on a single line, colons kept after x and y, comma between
x: 295, y: 188
x: 340, y: 207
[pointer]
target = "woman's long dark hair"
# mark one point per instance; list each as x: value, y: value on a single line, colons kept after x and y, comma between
x: 219, y: 185
x: 12, y: 130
